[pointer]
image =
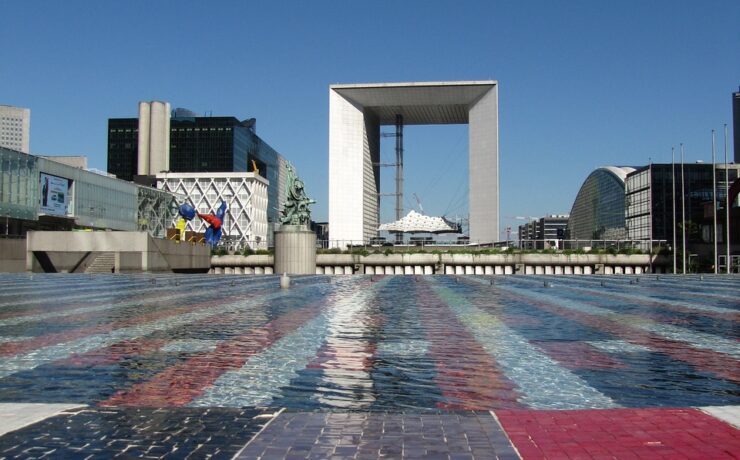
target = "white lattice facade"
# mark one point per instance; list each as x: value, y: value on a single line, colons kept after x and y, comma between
x: 245, y: 194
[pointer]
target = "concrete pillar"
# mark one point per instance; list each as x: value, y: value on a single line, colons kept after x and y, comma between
x: 295, y: 250
x: 449, y: 270
x: 349, y: 270
x: 369, y: 270
x: 428, y: 270
x: 508, y: 270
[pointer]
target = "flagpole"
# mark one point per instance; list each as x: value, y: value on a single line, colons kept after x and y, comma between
x: 673, y: 177
x: 714, y: 203
x: 727, y: 206
x: 683, y: 214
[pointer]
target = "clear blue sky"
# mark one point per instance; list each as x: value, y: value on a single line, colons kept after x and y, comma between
x: 582, y: 84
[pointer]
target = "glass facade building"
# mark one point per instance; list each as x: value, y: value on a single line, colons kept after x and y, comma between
x: 598, y: 211
x: 123, y: 144
x: 649, y: 197
x: 76, y: 198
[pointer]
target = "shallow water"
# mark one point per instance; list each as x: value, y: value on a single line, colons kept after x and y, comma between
x: 370, y: 343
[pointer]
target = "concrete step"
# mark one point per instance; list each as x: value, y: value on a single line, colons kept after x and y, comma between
x: 103, y: 263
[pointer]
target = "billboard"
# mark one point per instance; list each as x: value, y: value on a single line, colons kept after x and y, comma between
x: 54, y: 195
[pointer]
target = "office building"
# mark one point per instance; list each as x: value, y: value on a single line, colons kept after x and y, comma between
x: 198, y: 145
x: 40, y: 194
x: 15, y: 128
x: 599, y: 208
x: 650, y: 201
x: 544, y: 233
x: 356, y: 112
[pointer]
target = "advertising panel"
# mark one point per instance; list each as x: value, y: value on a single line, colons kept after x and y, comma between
x: 54, y: 195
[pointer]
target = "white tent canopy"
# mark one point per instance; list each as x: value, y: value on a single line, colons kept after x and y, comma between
x: 414, y: 222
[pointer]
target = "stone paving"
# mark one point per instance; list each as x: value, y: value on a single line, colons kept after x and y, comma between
x: 197, y: 366
x: 94, y: 433
x: 460, y: 436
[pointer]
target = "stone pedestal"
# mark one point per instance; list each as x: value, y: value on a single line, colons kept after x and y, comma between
x: 295, y: 250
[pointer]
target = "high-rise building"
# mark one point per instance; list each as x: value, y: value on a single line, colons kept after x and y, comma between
x: 15, y: 128
x: 736, y: 124
x: 196, y: 145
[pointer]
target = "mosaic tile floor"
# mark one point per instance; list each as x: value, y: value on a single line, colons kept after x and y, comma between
x: 171, y: 366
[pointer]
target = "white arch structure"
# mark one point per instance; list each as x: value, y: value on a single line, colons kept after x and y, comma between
x: 356, y: 112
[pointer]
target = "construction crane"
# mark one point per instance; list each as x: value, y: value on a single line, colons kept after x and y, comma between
x: 418, y: 201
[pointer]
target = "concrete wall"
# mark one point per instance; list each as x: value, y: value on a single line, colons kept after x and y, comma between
x: 12, y: 255
x: 134, y: 251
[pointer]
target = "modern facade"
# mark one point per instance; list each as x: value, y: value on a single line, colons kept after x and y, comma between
x: 40, y: 194
x: 245, y: 222
x: 598, y: 212
x: 650, y: 203
x: 544, y: 233
x: 15, y: 128
x: 202, y: 145
x: 736, y: 124
x: 356, y: 112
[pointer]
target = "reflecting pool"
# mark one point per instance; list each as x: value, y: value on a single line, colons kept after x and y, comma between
x: 370, y: 343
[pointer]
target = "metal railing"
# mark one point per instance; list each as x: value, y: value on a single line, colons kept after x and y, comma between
x: 645, y: 246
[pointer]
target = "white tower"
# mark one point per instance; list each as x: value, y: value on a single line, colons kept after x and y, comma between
x: 154, y: 137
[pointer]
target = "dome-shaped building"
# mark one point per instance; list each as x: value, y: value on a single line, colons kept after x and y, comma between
x: 599, y: 208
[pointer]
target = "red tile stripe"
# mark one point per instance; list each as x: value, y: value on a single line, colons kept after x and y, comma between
x: 620, y: 433
x: 719, y: 364
x: 180, y: 384
x: 466, y: 372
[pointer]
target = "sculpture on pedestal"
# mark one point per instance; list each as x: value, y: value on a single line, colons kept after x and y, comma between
x: 296, y: 207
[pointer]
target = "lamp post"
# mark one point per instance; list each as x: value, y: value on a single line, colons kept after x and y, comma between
x: 673, y: 178
x: 714, y: 205
x: 727, y: 207
x: 683, y: 215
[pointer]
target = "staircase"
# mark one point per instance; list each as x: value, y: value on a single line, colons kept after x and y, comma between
x: 103, y: 263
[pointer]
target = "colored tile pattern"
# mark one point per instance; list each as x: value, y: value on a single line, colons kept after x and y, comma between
x: 624, y: 434
x: 408, y: 352
x: 453, y: 435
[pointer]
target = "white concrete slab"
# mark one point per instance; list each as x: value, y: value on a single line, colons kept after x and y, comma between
x: 14, y: 416
x: 729, y: 414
